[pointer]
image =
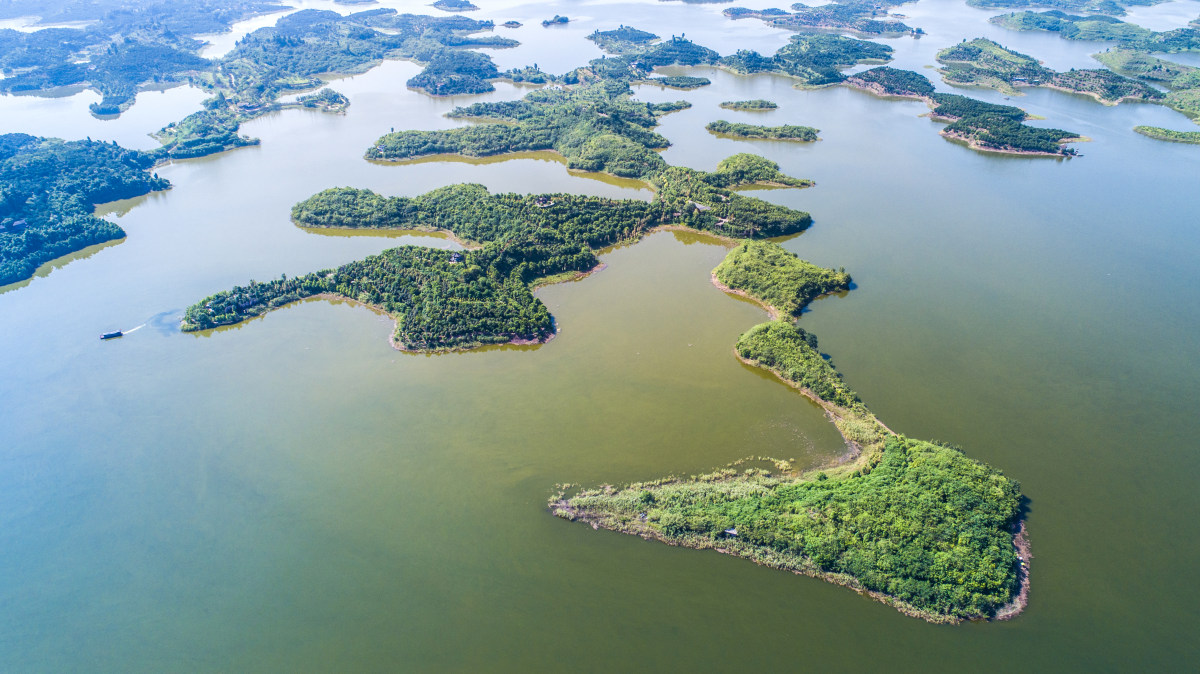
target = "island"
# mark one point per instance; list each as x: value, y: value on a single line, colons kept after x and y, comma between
x: 679, y: 81
x: 868, y: 18
x: 721, y: 127
x: 443, y: 300
x: 814, y: 60
x: 777, y: 279
x: 1183, y: 81
x: 914, y: 524
x: 1102, y: 29
x: 982, y: 126
x: 49, y: 189
x: 1110, y: 7
x: 623, y: 39
x: 1160, y: 133
x: 154, y: 49
x: 755, y: 105
x: 117, y: 53
x: 867, y: 521
x: 556, y: 21
x: 455, y: 5
x: 984, y: 63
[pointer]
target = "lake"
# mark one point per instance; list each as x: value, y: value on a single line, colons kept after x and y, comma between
x: 293, y: 494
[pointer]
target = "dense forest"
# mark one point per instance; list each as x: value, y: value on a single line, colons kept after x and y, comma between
x: 777, y: 277
x: 48, y: 191
x: 752, y: 105
x: 919, y: 525
x: 751, y: 131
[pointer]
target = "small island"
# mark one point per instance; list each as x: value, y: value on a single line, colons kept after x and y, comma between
x: 679, y: 81
x: 455, y: 5
x: 511, y: 24
x: 778, y: 279
x: 556, y: 21
x: 326, y: 100
x: 49, y: 191
x: 755, y: 105
x: 814, y: 60
x: 1160, y: 133
x: 805, y: 134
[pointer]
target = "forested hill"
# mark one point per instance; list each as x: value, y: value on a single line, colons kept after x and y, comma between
x: 48, y: 191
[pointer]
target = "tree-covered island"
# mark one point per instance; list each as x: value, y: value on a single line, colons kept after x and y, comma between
x: 1192, y: 137
x: 48, y: 192
x: 984, y: 63
x: 755, y: 105
x: 1101, y: 28
x: 869, y: 18
x: 914, y: 524
x: 740, y: 131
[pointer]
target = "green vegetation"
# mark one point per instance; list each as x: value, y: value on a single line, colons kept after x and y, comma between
x: 1169, y: 134
x: 785, y: 132
x: 756, y: 104
x: 456, y: 72
x: 203, y: 133
x: 48, y: 191
x: 1103, y: 29
x: 120, y: 52
x: 1141, y: 64
x: 998, y: 128
x: 623, y: 40
x: 1111, y: 7
x: 815, y: 60
x: 680, y: 81
x: 918, y: 525
x: 444, y: 300
x: 982, y: 62
x: 326, y: 99
x: 862, y: 17
x: 1183, y: 80
x: 555, y: 21
x: 777, y: 277
x: 887, y: 81
x: 455, y: 5
x: 1105, y: 86
x: 596, y: 127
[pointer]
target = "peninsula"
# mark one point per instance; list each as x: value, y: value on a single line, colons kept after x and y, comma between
x: 49, y: 191
x: 869, y: 522
x: 982, y: 126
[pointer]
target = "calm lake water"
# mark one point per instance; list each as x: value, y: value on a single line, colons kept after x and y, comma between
x: 292, y: 494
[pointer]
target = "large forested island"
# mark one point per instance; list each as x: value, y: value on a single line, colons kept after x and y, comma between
x: 914, y: 524
x: 983, y: 126
x: 984, y: 63
x: 48, y: 190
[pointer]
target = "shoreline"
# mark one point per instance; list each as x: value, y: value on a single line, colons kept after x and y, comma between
x: 979, y: 147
